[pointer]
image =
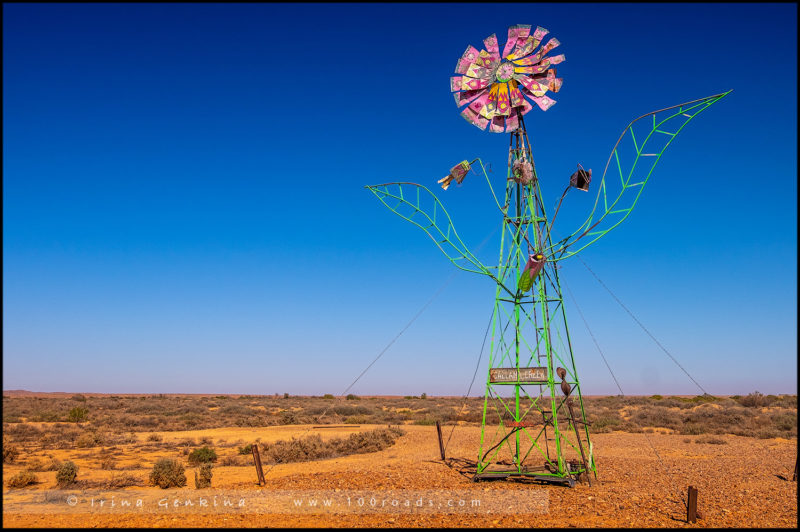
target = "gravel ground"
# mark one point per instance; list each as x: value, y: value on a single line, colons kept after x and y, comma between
x: 739, y: 485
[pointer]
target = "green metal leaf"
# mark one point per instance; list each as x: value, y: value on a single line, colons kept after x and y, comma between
x: 649, y: 143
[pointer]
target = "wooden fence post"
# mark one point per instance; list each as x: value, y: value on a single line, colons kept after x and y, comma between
x: 691, y: 507
x: 257, y: 460
x: 441, y: 445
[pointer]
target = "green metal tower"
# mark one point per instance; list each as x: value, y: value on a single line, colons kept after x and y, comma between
x: 533, y: 419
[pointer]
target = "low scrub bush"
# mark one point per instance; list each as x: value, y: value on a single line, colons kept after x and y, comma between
x: 121, y: 480
x: 247, y: 449
x: 22, y: 479
x: 202, y: 477
x: 77, y: 414
x: 711, y: 440
x: 202, y: 455
x: 87, y: 439
x: 314, y: 448
x: 66, y: 474
x: 168, y: 473
x: 10, y: 451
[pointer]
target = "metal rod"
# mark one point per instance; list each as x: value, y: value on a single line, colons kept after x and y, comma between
x: 586, y: 465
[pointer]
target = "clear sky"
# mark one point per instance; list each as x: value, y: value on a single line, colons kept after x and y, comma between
x: 184, y: 211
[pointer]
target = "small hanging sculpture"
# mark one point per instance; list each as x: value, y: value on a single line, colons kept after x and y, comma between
x: 458, y: 172
x: 581, y: 179
x: 522, y: 170
x: 532, y: 268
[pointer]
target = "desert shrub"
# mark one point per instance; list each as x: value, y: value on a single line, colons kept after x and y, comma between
x: 155, y: 437
x: 352, y: 397
x: 423, y: 396
x: 657, y: 417
x: 66, y: 474
x: 205, y: 440
x: 108, y: 464
x: 711, y: 440
x: 287, y: 418
x: 35, y: 465
x: 202, y: 477
x: 122, y: 480
x: 87, y: 439
x: 786, y: 421
x: 77, y: 414
x: 247, y: 449
x: 79, y: 397
x: 202, y: 455
x: 752, y: 400
x: 328, y: 396
x: 47, y: 416
x: 314, y: 448
x: 10, y: 451
x: 692, y: 429
x: 232, y: 410
x: 22, y: 479
x: 766, y: 434
x: 656, y: 397
x: 233, y: 461
x: 425, y: 421
x: 167, y: 473
x: 54, y: 464
x: 286, y: 396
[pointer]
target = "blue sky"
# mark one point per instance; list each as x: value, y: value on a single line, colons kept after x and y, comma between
x: 184, y: 211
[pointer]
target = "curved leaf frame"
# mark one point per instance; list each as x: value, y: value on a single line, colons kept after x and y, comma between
x: 682, y: 114
x: 439, y: 227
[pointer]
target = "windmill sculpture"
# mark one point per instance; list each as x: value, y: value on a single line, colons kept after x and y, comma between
x: 534, y: 423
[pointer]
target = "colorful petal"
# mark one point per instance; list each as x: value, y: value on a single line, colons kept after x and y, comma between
x: 470, y: 84
x: 511, y: 42
x: 536, y: 88
x: 540, y: 33
x: 489, y: 110
x: 503, y: 103
x: 512, y: 122
x: 467, y: 58
x: 465, y: 97
x: 514, y: 94
x: 544, y: 102
x: 479, y: 103
x: 478, y: 71
x: 498, y: 124
x: 552, y: 43
x: 473, y: 118
x: 492, y: 47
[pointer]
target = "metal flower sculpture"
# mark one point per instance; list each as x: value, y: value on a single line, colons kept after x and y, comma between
x: 524, y: 416
x: 494, y: 86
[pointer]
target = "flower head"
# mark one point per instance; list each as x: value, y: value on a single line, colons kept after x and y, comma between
x: 494, y: 88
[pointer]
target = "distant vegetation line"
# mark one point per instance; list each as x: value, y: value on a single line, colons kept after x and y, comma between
x: 63, y: 421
